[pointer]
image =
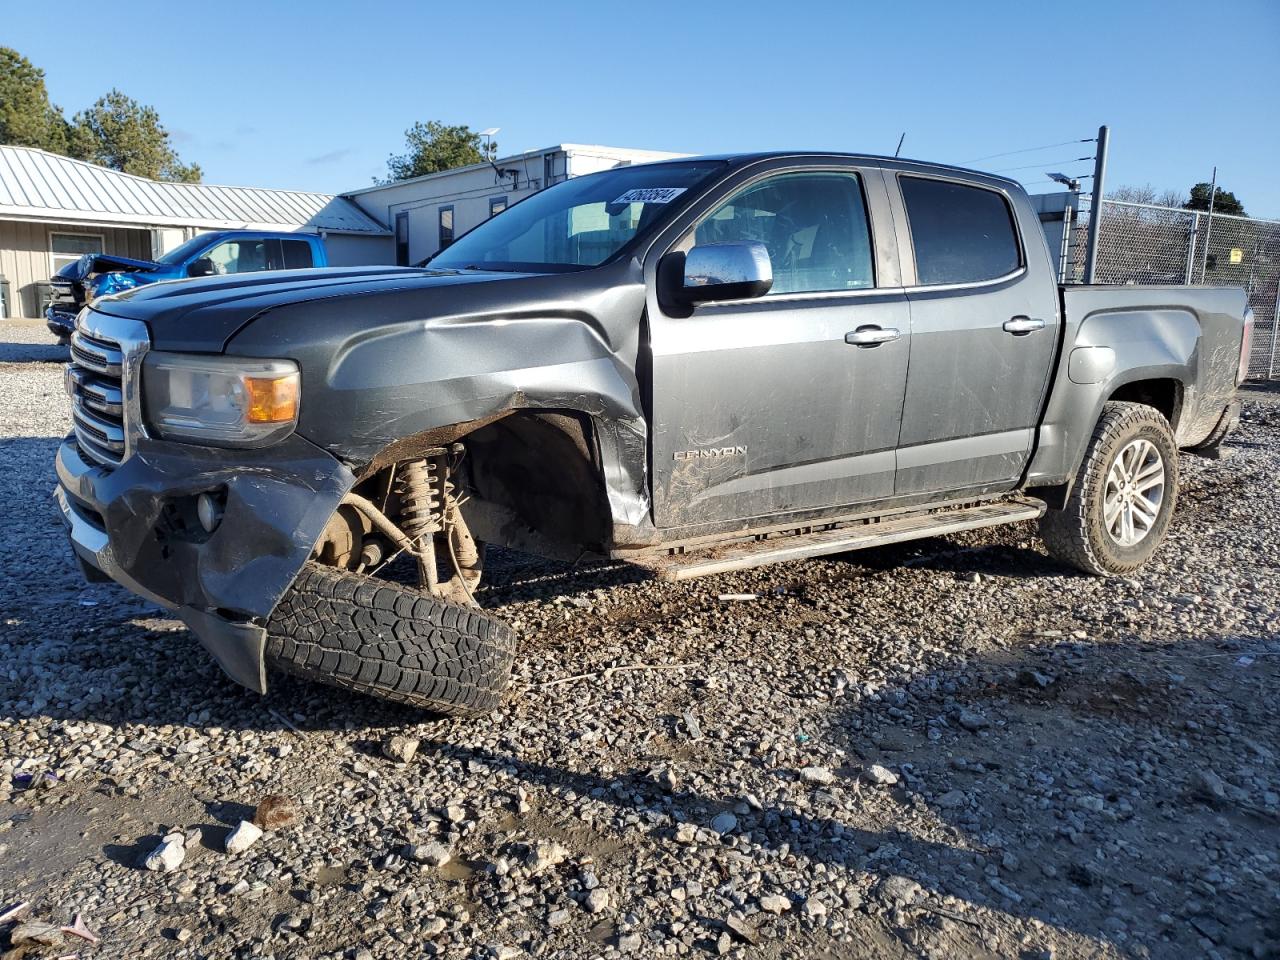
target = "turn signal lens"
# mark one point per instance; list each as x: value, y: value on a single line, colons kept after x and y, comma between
x: 273, y: 400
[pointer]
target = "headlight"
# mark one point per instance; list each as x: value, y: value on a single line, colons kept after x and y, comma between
x: 220, y: 401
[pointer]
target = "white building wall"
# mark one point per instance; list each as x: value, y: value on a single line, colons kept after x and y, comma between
x: 349, y: 250
x: 1057, y: 211
x: 469, y: 190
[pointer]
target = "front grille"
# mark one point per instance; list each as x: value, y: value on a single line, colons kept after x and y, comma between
x: 95, y: 382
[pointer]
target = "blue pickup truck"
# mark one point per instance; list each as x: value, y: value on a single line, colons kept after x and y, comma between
x: 204, y: 255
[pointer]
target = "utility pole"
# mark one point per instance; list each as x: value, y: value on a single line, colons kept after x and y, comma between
x: 1095, y: 214
x: 1208, y: 230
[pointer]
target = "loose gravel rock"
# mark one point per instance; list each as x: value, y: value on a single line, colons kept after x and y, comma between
x: 244, y: 836
x: 1084, y: 767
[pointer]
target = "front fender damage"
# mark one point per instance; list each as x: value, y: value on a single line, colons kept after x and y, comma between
x: 392, y: 389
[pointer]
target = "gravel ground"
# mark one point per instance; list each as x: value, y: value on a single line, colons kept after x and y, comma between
x: 946, y: 748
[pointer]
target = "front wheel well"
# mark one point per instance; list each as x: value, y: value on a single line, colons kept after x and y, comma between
x: 543, y: 469
x: 1164, y: 395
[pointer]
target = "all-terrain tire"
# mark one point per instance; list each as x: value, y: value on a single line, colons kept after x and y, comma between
x: 1077, y: 535
x: 390, y: 641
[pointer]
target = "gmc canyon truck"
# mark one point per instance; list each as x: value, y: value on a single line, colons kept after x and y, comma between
x: 694, y: 366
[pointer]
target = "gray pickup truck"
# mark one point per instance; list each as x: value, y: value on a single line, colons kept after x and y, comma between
x: 694, y: 366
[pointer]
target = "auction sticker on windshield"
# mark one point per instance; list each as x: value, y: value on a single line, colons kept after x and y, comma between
x: 650, y: 195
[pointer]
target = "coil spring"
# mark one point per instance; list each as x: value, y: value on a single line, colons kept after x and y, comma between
x: 422, y: 487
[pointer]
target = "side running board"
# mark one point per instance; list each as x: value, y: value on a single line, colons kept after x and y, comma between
x: 804, y: 543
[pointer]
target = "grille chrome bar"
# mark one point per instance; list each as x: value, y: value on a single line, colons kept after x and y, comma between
x: 95, y: 355
x: 99, y: 395
x: 105, y: 433
x: 102, y: 379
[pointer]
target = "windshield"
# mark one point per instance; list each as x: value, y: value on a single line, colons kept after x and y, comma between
x: 180, y: 253
x: 578, y: 223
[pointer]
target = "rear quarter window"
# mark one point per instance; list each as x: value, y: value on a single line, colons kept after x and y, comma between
x: 961, y: 234
x: 297, y: 254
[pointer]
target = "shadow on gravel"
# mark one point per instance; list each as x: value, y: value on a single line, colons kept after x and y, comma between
x: 33, y: 352
x: 131, y: 854
x: 1026, y: 786
x: 1103, y: 789
x: 942, y: 554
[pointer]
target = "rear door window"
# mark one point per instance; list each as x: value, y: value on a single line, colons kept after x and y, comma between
x: 297, y: 254
x: 961, y: 234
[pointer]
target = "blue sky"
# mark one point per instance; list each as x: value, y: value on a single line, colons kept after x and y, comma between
x: 315, y: 96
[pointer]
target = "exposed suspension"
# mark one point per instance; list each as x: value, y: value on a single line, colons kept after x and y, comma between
x: 422, y: 488
x: 429, y: 511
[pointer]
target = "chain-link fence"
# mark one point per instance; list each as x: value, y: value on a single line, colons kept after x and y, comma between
x: 1143, y: 244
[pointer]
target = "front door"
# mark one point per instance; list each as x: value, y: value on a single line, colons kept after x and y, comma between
x: 984, y: 331
x: 792, y: 401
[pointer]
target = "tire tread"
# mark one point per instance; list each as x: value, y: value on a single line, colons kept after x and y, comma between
x: 1067, y: 532
x: 390, y: 641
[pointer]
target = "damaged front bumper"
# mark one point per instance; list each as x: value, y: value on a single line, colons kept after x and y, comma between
x: 136, y: 523
x: 60, y: 321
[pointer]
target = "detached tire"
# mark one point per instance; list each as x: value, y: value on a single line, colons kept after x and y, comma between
x: 1123, y: 498
x: 390, y: 641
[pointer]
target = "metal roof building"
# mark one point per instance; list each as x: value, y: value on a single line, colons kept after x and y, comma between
x: 54, y: 208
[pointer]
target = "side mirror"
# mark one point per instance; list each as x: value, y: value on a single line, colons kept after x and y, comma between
x: 726, y: 271
x: 203, y: 267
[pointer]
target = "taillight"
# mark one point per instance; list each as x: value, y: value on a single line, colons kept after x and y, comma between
x: 1246, y: 341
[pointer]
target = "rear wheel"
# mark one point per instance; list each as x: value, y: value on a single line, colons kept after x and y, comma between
x: 390, y: 641
x: 1123, y: 498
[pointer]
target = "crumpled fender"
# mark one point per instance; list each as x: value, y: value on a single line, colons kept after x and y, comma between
x: 107, y: 284
x: 381, y: 368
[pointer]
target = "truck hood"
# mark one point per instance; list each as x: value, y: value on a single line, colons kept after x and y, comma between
x: 91, y: 263
x: 202, y: 315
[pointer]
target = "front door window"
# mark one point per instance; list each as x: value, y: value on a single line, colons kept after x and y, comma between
x: 814, y: 226
x: 239, y: 256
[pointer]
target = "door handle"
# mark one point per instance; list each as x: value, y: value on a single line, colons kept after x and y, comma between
x: 871, y: 336
x: 1021, y: 326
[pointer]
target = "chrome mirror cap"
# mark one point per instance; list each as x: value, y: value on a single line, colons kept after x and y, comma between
x: 726, y: 271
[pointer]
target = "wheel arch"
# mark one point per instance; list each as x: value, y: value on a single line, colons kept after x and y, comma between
x: 556, y: 481
x: 1148, y: 356
x: 1162, y: 387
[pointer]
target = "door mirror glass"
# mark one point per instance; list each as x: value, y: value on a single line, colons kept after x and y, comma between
x: 726, y: 271
x: 203, y: 267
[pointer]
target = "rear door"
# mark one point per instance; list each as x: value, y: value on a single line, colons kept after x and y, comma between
x: 786, y: 402
x: 984, y: 332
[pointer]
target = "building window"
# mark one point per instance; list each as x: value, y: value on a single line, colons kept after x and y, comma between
x: 548, y: 169
x: 402, y: 239
x: 497, y: 205
x: 67, y: 248
x: 446, y: 226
